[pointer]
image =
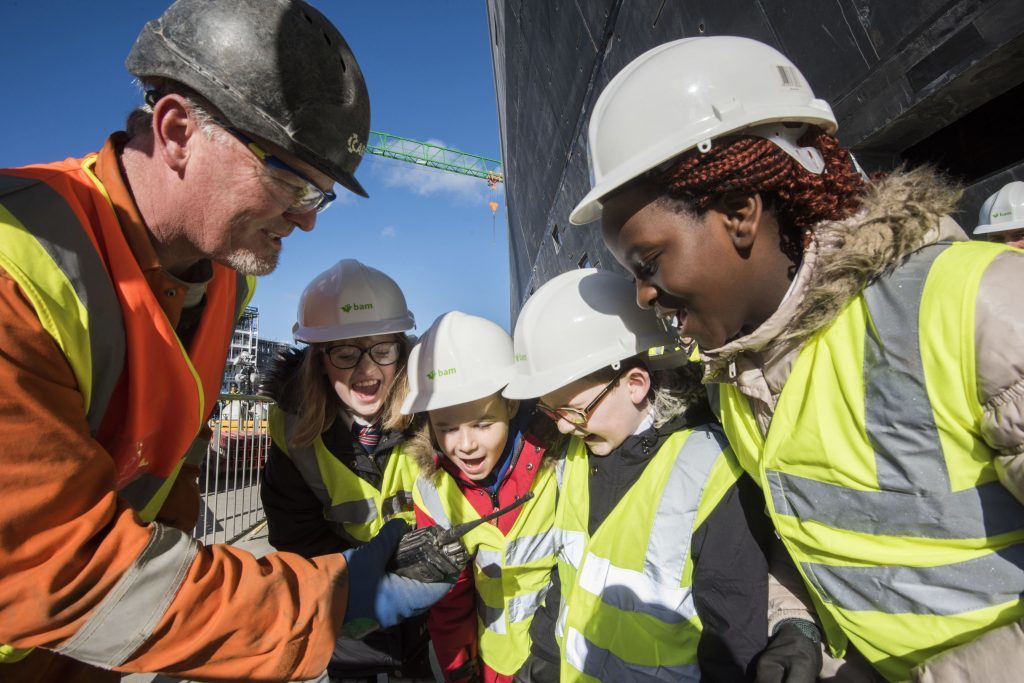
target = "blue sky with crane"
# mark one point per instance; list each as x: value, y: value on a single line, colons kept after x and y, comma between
x: 428, y: 69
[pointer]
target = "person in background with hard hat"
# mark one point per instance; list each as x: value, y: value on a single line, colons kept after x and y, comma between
x: 661, y: 569
x: 864, y: 355
x: 337, y: 470
x: 478, y: 453
x: 121, y: 277
x: 1001, y: 218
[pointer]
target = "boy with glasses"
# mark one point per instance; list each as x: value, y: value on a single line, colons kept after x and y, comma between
x: 661, y: 567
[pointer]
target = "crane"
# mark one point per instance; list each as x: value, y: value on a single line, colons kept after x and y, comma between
x: 435, y: 156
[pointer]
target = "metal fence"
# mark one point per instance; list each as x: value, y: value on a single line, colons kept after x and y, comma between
x: 229, y: 477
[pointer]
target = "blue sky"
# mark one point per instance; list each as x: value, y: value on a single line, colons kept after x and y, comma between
x: 428, y: 69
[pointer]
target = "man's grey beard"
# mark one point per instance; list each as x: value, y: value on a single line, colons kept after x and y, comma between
x: 248, y: 263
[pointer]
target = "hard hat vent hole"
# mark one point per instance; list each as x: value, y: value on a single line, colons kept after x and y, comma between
x: 327, y: 38
x: 344, y: 67
x: 308, y: 18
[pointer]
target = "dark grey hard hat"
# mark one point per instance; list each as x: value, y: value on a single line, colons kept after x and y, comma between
x: 277, y: 69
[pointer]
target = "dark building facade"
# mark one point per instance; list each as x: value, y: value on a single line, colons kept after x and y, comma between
x: 938, y: 81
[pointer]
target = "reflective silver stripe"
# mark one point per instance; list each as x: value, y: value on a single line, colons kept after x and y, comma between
x: 563, y: 610
x: 571, y: 549
x: 603, y: 665
x: 130, y: 612
x: 916, y: 499
x: 400, y: 502
x: 488, y: 562
x: 45, y: 213
x: 432, y: 502
x: 992, y: 579
x: 560, y: 471
x: 522, y: 607
x: 526, y: 549
x: 669, y: 544
x: 988, y: 510
x: 353, y: 511
x: 493, y: 618
x: 897, y: 411
x: 632, y: 591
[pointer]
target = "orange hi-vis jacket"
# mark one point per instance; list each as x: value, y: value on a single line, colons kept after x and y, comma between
x: 101, y: 401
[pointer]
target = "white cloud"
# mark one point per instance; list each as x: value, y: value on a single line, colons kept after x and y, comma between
x: 388, y: 232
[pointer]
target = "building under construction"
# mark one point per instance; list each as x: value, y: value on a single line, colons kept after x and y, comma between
x: 939, y: 81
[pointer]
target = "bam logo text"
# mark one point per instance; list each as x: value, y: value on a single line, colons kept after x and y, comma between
x: 356, y: 307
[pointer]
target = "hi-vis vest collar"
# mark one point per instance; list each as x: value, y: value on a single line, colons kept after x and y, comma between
x: 355, y: 509
x: 636, y: 570
x: 877, y: 477
x: 511, y: 573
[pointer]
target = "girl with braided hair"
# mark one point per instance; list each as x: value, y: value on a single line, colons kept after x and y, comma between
x: 864, y: 357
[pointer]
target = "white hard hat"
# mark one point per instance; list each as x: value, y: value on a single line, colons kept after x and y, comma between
x: 461, y: 358
x: 577, y: 323
x: 350, y: 300
x: 1003, y: 211
x: 684, y: 94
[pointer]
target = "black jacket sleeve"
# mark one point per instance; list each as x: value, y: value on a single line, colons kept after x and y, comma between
x: 730, y: 584
x: 295, y: 518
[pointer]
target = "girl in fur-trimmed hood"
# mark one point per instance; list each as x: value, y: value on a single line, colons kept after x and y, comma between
x: 866, y: 360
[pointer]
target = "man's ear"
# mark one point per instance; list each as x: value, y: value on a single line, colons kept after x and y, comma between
x: 173, y: 129
x: 638, y: 384
x: 740, y: 214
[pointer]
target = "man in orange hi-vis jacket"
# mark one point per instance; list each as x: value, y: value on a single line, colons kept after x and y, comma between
x: 121, y: 277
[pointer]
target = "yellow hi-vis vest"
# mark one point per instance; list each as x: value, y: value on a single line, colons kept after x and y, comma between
x: 876, y: 475
x: 511, y: 573
x: 66, y: 275
x: 353, y: 507
x: 628, y: 611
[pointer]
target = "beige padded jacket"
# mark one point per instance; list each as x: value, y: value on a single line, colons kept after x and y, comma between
x: 901, y: 214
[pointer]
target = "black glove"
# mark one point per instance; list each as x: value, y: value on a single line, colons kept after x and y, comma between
x: 420, y: 557
x: 793, y: 654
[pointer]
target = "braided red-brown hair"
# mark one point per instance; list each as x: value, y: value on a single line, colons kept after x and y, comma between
x: 750, y: 164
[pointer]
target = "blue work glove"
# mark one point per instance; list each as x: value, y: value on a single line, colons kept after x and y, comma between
x: 376, y: 598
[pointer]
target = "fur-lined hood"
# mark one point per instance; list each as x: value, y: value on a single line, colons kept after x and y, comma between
x: 281, y: 379
x: 900, y: 214
x: 420, y: 448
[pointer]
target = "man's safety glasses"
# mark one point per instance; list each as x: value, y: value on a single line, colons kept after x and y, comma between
x: 309, y: 197
x: 346, y: 356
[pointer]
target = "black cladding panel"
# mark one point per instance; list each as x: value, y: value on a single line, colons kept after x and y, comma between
x: 899, y: 76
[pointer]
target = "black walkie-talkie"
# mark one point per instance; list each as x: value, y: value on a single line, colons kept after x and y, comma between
x: 434, y: 554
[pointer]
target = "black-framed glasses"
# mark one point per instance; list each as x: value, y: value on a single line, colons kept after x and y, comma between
x: 346, y: 356
x: 576, y: 416
x: 309, y: 197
